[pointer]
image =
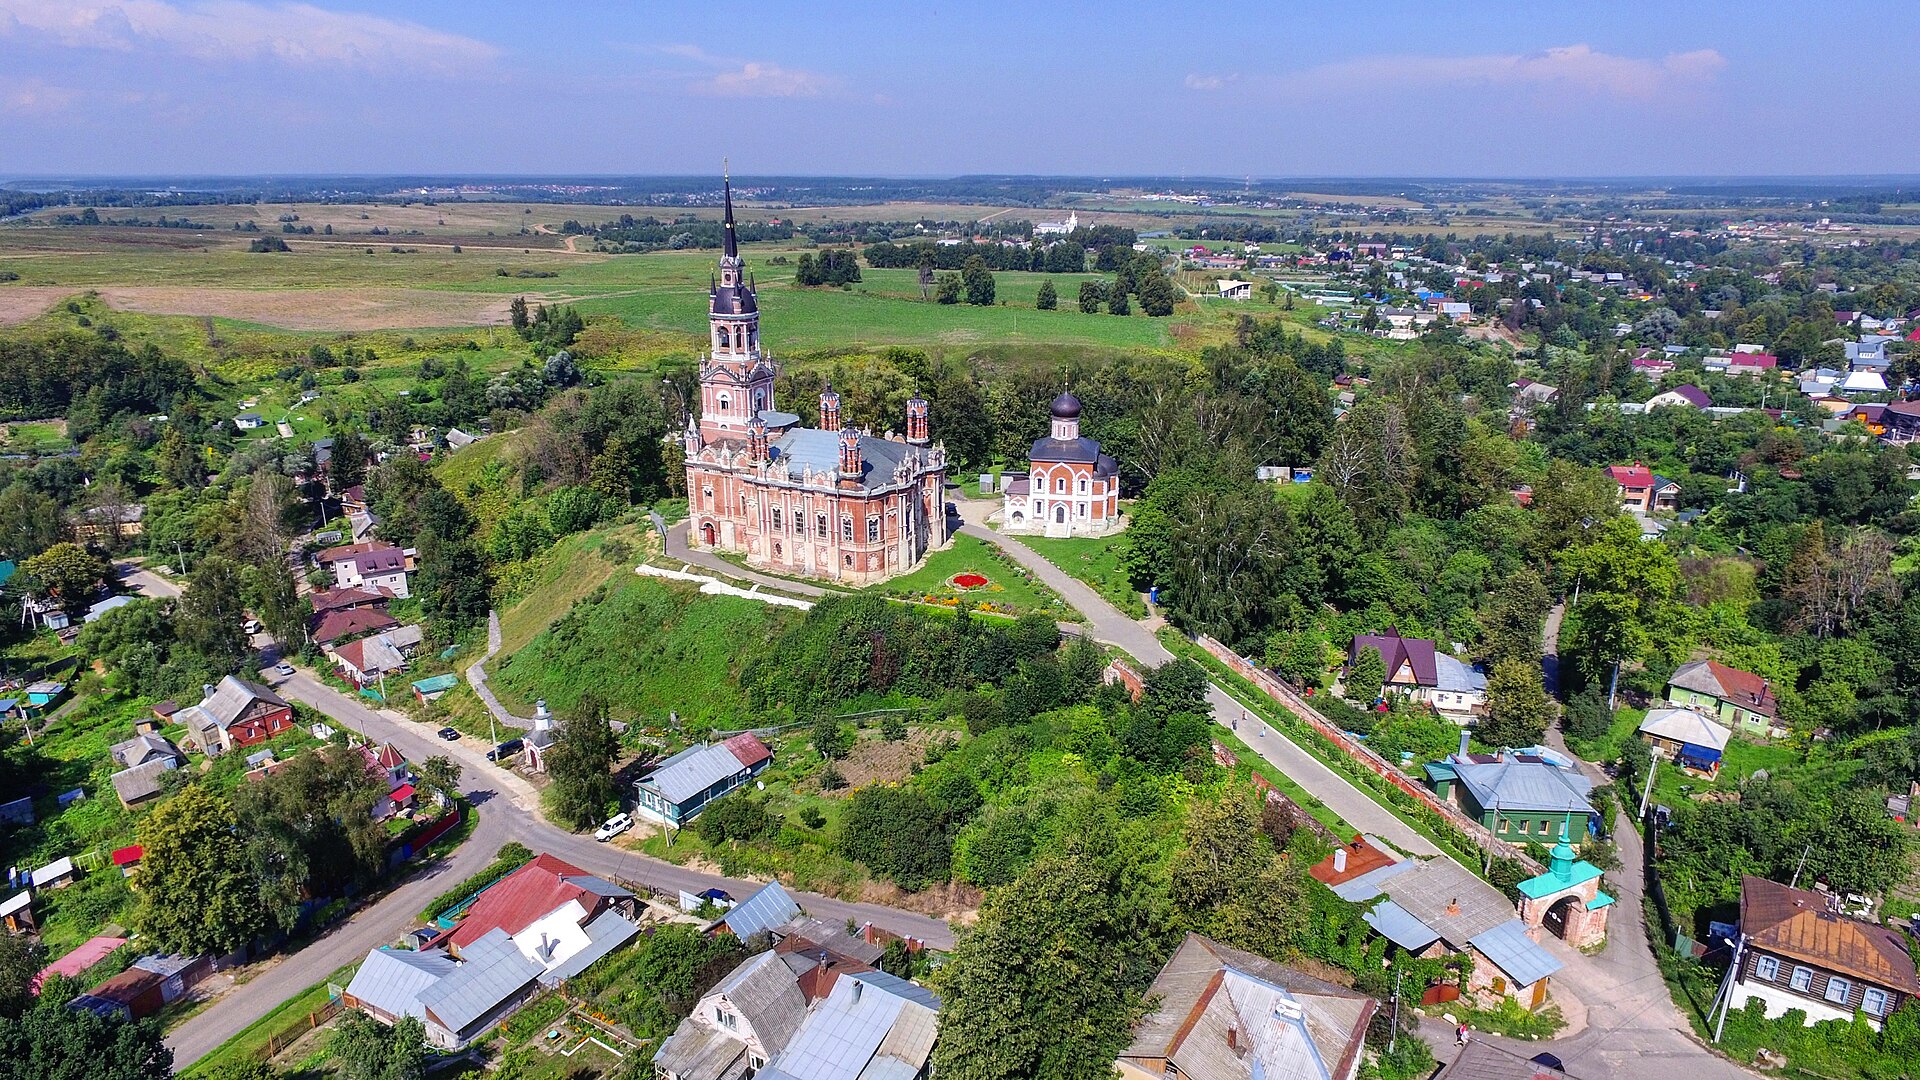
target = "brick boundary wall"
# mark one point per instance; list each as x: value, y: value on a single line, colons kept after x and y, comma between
x: 1359, y: 752
x: 1227, y: 759
x: 1123, y: 673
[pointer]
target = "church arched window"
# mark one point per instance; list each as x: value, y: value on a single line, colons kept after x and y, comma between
x: 726, y: 401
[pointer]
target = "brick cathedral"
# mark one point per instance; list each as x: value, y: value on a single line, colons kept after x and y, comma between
x: 826, y: 502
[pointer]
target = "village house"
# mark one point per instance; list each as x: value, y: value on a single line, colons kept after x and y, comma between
x: 1686, y: 737
x: 370, y: 566
x: 1439, y: 908
x: 1230, y: 289
x: 1797, y: 951
x: 538, y: 926
x: 364, y: 660
x: 1071, y: 487
x: 1417, y: 668
x: 1643, y: 491
x: 1739, y: 699
x: 1902, y: 419
x: 677, y: 789
x: 1224, y: 1014
x: 1518, y: 796
x: 235, y: 713
x: 1687, y: 396
x: 792, y: 1015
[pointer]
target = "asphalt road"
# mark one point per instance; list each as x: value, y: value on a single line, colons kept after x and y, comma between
x: 508, y: 809
x: 1111, y: 625
x: 144, y: 582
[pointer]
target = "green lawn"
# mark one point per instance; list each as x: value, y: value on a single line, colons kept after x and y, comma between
x: 1096, y: 561
x: 1010, y: 588
x: 252, y: 1039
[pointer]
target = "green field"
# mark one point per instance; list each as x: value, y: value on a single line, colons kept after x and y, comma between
x: 1096, y: 561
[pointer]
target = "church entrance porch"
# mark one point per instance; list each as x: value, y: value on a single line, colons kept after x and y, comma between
x: 1566, y: 900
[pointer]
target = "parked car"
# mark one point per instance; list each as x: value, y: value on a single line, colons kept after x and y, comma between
x: 283, y: 668
x: 615, y: 825
x: 506, y: 749
x: 448, y: 734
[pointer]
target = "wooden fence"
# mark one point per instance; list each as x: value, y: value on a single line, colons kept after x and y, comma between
x: 291, y: 1034
x: 1361, y: 754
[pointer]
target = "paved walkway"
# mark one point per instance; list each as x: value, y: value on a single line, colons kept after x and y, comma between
x: 1110, y: 625
x: 477, y: 677
x: 679, y: 550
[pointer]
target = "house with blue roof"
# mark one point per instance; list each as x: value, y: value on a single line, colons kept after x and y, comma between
x: 1518, y: 796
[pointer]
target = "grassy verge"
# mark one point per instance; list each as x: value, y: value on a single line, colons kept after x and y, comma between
x: 251, y: 1041
x: 1096, y: 561
x: 1414, y: 814
x: 1511, y: 1019
x: 1306, y: 800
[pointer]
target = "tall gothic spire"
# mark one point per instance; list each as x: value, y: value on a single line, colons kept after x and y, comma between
x: 732, y: 248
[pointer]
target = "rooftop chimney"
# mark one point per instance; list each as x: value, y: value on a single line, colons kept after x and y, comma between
x: 1453, y: 908
x: 1463, y: 742
x: 1233, y: 1037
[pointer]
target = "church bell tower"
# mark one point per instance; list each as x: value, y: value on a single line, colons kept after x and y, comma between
x: 736, y: 378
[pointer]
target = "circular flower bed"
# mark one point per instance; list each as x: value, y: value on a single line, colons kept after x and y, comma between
x: 969, y: 580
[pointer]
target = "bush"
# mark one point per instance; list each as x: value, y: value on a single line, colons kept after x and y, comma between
x: 512, y: 856
x: 736, y: 817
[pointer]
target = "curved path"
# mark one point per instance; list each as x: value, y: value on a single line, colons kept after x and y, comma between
x: 509, y: 810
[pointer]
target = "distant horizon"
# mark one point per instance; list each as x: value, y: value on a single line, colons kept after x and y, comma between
x: 1641, y: 88
x: 1849, y: 179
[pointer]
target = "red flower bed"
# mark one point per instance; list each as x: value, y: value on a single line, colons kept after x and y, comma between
x: 969, y: 580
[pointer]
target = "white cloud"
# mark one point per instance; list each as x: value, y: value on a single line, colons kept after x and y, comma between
x: 733, y: 77
x: 212, y: 30
x: 755, y: 79
x: 36, y: 97
x: 1571, y: 67
x: 1210, y: 82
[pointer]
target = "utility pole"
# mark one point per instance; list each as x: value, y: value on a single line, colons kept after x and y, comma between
x: 1647, y: 791
x: 1801, y: 865
x: 1394, y: 1036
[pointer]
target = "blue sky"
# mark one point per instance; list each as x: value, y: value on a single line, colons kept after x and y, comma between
x: 1278, y: 88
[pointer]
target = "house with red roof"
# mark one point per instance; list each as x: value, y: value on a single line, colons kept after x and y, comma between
x: 1752, y: 364
x: 350, y: 623
x: 1740, y: 699
x: 1642, y: 490
x: 128, y: 859
x: 536, y: 894
x: 1799, y: 951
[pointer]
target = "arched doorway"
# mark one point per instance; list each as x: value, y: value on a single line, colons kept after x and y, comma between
x: 706, y: 533
x: 1060, y: 514
x: 1555, y: 920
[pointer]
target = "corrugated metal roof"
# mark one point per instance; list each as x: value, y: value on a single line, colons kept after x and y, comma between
x: 1368, y: 885
x: 1522, y: 785
x: 696, y: 1051
x: 768, y: 907
x: 692, y: 771
x: 842, y: 1037
x: 392, y: 980
x: 1399, y: 927
x: 604, y: 934
x: 1687, y: 726
x: 492, y: 971
x: 1509, y: 947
